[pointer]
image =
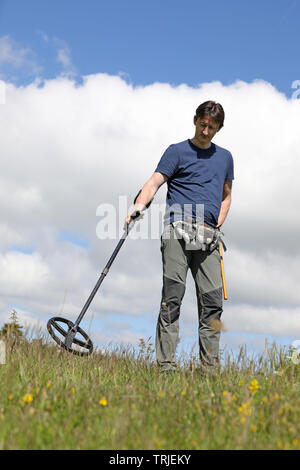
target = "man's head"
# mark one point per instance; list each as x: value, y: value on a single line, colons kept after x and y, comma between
x: 209, y: 119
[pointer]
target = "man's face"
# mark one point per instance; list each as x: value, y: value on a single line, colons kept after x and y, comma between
x: 206, y: 128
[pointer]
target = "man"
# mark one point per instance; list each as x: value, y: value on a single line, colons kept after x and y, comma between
x: 199, y: 175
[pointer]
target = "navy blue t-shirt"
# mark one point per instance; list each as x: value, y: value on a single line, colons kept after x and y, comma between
x: 196, y: 176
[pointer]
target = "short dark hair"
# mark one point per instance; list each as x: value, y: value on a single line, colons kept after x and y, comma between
x: 215, y: 110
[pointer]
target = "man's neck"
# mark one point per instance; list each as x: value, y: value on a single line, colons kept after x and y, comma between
x: 201, y: 146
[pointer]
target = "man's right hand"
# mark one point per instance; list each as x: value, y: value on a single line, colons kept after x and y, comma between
x: 136, y: 208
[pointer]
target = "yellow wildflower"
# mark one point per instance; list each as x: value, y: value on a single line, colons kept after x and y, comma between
x: 10, y: 396
x: 183, y: 393
x: 48, y: 385
x: 103, y: 401
x: 242, y: 382
x: 73, y: 391
x: 245, y: 408
x: 274, y: 397
x: 253, y: 387
x: 228, y: 397
x: 295, y: 442
x: 28, y: 398
x: 253, y: 428
x: 292, y: 430
x: 158, y: 444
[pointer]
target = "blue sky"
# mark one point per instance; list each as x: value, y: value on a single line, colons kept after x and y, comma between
x: 166, y: 41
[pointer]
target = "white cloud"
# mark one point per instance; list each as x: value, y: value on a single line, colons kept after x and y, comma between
x: 269, y: 277
x: 43, y: 35
x: 15, y: 55
x: 18, y: 61
x: 64, y: 57
x: 63, y: 53
x: 9, y: 236
x: 119, y: 340
x: 263, y: 320
x: 67, y: 148
x: 22, y: 274
x: 11, y: 52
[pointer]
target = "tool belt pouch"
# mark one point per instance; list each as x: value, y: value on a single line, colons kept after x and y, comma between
x: 197, y: 236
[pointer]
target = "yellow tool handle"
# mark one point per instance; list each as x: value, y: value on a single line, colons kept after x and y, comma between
x: 222, y: 272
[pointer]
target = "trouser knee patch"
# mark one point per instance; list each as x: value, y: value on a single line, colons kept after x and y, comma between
x: 212, y: 306
x: 172, y: 295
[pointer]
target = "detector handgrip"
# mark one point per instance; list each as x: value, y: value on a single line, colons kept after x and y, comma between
x: 135, y: 215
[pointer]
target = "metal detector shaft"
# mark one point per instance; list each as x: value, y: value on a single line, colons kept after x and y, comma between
x: 54, y: 324
x: 108, y: 265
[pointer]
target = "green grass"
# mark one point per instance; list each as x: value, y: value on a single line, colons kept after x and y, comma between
x: 51, y: 399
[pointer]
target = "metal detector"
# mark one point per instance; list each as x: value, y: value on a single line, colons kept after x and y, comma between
x: 82, y: 345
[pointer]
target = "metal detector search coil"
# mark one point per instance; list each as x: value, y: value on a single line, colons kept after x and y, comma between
x: 71, y: 341
x: 85, y: 345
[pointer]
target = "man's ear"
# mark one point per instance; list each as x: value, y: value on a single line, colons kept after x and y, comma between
x: 195, y: 119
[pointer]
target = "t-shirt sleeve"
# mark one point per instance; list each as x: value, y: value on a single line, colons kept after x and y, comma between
x: 230, y: 168
x: 168, y: 163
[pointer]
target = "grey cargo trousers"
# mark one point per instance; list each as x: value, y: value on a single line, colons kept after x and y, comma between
x: 206, y: 271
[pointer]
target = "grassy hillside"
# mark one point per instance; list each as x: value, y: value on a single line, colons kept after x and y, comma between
x: 51, y: 399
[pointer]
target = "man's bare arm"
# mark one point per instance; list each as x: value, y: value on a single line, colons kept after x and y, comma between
x: 148, y: 192
x: 226, y: 201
